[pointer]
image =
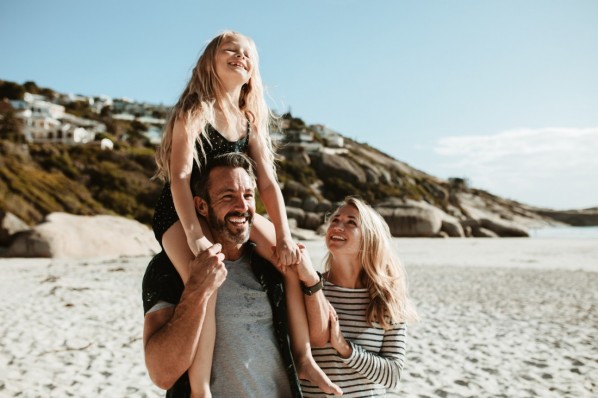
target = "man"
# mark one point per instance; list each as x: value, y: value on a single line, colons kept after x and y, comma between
x: 252, y: 355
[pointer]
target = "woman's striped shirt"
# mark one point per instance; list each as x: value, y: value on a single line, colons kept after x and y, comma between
x: 378, y: 355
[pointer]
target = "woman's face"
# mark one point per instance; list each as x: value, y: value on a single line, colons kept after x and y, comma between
x: 234, y: 60
x: 344, y: 232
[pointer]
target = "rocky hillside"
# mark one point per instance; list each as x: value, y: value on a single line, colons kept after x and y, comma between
x: 36, y: 180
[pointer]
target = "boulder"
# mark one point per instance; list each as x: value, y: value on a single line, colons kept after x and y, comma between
x: 312, y: 221
x: 483, y: 233
x: 504, y: 228
x: 452, y: 227
x: 412, y: 219
x: 294, y: 189
x: 9, y: 226
x: 64, y: 235
x: 294, y: 202
x: 310, y: 203
x: 324, y: 206
x: 296, y: 213
x: 340, y: 167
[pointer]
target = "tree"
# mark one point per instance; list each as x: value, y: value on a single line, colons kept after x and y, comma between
x: 11, y: 90
x: 31, y: 87
x: 11, y: 127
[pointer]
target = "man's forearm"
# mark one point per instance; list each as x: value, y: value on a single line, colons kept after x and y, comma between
x: 170, y: 350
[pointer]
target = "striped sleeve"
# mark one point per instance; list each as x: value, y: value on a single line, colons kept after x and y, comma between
x: 386, y: 367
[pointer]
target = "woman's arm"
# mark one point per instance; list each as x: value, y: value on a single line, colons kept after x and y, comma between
x: 383, y: 368
x: 181, y: 166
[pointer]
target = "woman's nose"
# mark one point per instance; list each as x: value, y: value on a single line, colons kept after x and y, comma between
x: 338, y: 226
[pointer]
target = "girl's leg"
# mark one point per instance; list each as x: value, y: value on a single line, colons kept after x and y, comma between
x: 263, y: 235
x: 201, y: 368
x: 175, y: 245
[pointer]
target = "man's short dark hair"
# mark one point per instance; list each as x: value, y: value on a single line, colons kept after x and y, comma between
x: 199, y: 185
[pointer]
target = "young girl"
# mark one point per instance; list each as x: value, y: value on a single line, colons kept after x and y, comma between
x: 222, y: 110
x: 363, y: 348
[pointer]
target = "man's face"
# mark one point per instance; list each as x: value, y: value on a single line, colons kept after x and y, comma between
x: 232, y: 204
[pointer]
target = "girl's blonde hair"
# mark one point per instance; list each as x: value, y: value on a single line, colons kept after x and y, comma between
x: 382, y: 272
x: 196, y: 106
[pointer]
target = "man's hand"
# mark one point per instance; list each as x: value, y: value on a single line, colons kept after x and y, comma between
x: 207, y: 270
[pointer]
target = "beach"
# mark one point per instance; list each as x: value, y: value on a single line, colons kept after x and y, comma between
x: 499, y: 318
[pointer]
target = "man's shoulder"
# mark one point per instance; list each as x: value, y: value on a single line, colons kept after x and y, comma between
x: 253, y: 256
x: 161, y: 282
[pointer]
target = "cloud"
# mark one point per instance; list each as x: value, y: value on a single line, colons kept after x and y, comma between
x: 553, y: 167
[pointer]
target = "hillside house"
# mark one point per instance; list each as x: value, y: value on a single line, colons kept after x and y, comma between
x: 46, y: 122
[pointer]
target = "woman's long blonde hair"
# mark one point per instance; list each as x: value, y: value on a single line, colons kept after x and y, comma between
x: 382, y: 272
x: 196, y: 106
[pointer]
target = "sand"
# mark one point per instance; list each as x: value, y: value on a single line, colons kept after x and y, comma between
x: 499, y: 318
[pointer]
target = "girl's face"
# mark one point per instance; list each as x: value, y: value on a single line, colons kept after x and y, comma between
x: 234, y: 60
x: 344, y: 232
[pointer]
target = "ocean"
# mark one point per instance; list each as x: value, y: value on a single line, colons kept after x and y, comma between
x: 565, y: 232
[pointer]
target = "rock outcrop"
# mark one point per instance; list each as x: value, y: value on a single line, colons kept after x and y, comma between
x: 578, y: 218
x: 9, y: 226
x: 63, y: 235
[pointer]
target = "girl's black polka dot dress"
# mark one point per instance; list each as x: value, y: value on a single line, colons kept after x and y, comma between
x: 165, y: 214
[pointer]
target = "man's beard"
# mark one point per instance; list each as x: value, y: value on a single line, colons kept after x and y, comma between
x: 226, y: 231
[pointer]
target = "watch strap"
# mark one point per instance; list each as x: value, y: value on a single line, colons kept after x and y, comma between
x: 313, y: 289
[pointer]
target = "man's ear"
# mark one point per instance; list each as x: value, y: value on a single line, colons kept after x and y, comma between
x: 201, y: 206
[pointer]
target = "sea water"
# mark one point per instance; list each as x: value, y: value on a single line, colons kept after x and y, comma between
x: 565, y: 232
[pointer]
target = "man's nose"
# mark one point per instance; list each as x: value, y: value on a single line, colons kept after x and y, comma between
x: 241, y: 203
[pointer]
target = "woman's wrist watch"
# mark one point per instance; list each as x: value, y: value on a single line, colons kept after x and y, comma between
x: 312, y: 289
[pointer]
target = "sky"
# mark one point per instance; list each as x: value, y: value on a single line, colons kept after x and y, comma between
x: 501, y: 92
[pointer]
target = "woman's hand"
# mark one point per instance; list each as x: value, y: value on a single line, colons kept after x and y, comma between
x: 337, y: 340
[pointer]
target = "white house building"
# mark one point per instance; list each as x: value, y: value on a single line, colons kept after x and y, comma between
x: 45, y: 121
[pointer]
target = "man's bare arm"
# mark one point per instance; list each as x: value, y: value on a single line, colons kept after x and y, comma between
x: 171, y: 335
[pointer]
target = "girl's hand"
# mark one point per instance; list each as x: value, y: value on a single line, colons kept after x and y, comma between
x: 337, y: 340
x: 287, y: 252
x: 199, y: 245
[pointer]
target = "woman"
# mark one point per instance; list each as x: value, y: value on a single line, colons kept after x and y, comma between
x: 364, y: 343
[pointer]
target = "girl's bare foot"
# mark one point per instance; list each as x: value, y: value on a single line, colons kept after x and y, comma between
x: 308, y: 369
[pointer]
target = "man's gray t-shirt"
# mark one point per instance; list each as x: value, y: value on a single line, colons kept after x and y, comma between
x: 247, y: 361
